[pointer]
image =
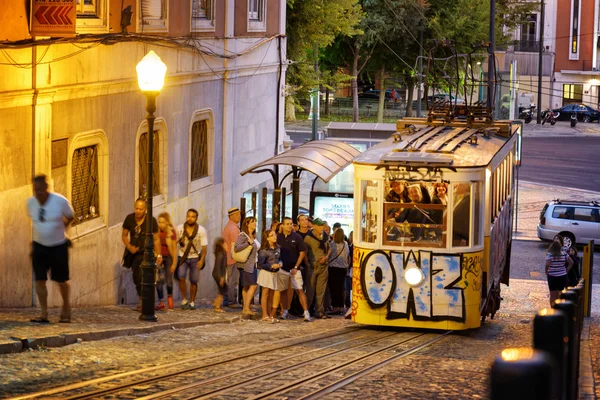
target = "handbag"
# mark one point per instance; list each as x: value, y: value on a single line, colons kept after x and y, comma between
x: 127, y: 259
x: 242, y: 255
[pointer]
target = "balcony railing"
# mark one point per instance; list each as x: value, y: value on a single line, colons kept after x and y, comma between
x: 527, y: 46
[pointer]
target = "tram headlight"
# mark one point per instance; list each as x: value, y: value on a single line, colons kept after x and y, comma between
x: 414, y: 276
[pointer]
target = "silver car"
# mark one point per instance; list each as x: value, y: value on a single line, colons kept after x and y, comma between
x: 576, y: 221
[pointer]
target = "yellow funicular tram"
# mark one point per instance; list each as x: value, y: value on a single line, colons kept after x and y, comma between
x: 433, y: 223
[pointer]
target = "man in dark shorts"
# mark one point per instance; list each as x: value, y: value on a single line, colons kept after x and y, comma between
x: 51, y: 214
x: 134, y: 238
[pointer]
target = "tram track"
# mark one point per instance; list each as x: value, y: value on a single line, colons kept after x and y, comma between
x: 309, y: 368
x: 60, y: 392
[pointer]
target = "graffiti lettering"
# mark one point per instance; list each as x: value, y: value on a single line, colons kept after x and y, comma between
x: 414, y: 174
x: 472, y: 265
x: 438, y: 297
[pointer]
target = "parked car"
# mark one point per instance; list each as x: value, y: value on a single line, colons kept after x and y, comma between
x: 374, y: 94
x: 584, y: 113
x: 445, y: 97
x: 576, y: 221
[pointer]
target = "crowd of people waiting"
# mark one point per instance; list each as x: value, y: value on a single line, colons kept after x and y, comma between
x: 302, y: 269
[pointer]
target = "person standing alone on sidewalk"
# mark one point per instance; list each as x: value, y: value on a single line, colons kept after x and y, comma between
x: 134, y: 238
x: 51, y: 214
x: 318, y: 253
x: 230, y: 233
x: 192, y: 255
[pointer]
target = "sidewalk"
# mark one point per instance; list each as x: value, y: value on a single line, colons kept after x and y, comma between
x: 17, y: 333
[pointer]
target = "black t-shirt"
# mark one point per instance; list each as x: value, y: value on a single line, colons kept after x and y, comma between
x: 137, y: 235
x: 291, y: 247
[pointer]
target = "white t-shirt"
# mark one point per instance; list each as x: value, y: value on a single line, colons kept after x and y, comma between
x: 50, y: 231
x: 200, y: 240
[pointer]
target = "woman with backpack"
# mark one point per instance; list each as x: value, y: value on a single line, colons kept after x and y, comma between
x: 247, y: 244
x: 558, y: 263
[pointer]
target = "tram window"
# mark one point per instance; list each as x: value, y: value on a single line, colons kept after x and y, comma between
x: 461, y: 214
x: 412, y: 218
x: 369, y: 209
x: 477, y: 231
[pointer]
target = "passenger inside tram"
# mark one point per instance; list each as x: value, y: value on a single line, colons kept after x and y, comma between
x: 461, y: 215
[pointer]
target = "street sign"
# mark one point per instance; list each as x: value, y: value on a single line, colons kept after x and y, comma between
x: 54, y: 18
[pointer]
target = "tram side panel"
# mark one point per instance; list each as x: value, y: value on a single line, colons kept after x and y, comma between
x: 447, y: 298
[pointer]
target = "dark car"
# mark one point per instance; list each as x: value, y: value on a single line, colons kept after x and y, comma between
x: 584, y: 113
x: 374, y: 94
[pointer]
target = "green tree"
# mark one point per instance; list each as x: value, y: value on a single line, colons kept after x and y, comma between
x: 310, y: 24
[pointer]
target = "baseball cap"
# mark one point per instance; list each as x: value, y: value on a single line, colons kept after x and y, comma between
x: 318, y: 222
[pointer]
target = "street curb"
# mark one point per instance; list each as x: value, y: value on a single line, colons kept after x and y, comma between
x: 19, y: 344
x: 587, y: 388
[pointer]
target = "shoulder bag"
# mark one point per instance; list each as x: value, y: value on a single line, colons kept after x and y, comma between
x: 243, y: 255
x: 189, y: 245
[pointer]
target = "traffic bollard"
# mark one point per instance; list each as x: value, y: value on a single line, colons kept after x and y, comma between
x: 550, y: 334
x: 569, y: 308
x: 579, y: 290
x: 524, y: 373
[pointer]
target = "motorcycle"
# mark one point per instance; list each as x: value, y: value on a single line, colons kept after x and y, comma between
x: 526, y: 114
x: 550, y: 116
x: 573, y: 120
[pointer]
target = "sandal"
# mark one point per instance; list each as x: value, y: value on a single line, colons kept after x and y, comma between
x: 219, y: 310
x: 266, y: 319
x: 40, y: 320
x: 65, y: 320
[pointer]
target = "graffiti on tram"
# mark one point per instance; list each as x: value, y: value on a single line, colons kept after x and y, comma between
x: 451, y: 282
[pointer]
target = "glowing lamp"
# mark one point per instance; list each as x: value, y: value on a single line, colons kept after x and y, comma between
x: 414, y: 276
x: 151, y: 73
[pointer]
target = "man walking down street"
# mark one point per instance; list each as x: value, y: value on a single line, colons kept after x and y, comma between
x: 134, y: 238
x: 51, y: 214
x: 293, y: 251
x: 319, y: 250
x: 230, y: 233
x: 192, y: 255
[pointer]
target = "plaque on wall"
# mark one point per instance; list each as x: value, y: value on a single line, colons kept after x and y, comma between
x: 59, y: 153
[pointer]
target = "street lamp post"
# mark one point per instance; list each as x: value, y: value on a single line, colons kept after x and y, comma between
x: 151, y: 77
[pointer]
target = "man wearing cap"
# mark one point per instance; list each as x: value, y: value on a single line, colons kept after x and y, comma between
x: 318, y: 251
x: 230, y: 234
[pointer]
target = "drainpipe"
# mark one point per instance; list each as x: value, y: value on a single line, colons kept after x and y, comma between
x: 34, y: 100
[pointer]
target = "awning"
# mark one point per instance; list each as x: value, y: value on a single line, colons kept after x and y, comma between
x: 324, y: 158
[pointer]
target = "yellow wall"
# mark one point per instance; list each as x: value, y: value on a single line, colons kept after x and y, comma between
x: 448, y: 298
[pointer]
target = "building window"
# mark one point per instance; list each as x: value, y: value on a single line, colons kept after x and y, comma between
x: 91, y: 16
x: 199, y: 150
x: 572, y: 94
x: 203, y: 15
x: 153, y: 16
x: 201, y: 153
x: 84, y: 184
x: 575, y: 18
x: 256, y: 15
x: 143, y: 165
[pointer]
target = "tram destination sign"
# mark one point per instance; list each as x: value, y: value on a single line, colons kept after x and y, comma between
x: 55, y: 18
x: 414, y: 174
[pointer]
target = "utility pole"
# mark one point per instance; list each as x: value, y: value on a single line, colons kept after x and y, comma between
x: 315, y: 96
x: 491, y: 69
x: 541, y: 51
x: 419, y: 90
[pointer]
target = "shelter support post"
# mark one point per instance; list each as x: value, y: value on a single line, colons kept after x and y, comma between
x: 295, y: 193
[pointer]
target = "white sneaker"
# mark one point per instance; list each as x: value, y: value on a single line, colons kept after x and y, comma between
x: 184, y: 303
x: 285, y: 314
x: 307, y: 316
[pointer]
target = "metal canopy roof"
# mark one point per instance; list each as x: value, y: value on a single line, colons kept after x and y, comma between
x: 324, y: 158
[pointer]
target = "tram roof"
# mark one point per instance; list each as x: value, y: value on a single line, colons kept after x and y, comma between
x: 324, y: 158
x: 419, y: 143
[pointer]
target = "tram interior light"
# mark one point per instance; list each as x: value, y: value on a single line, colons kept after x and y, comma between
x: 414, y: 276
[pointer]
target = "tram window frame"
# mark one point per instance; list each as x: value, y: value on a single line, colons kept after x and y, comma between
x: 369, y: 208
x: 458, y: 242
x: 477, y: 223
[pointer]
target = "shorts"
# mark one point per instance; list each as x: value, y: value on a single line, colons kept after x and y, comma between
x: 284, y: 279
x: 191, y: 265
x: 249, y: 278
x: 267, y: 279
x: 557, y: 283
x: 54, y: 259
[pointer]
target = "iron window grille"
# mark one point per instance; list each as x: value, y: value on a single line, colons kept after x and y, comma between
x: 199, y: 152
x: 84, y: 185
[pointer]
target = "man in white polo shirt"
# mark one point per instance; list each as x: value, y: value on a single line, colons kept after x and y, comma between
x: 51, y: 214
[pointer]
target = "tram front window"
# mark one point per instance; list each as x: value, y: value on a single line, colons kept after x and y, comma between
x: 370, y: 209
x: 415, y: 214
x: 461, y: 215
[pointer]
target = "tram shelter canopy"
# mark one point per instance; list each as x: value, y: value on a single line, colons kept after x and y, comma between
x: 324, y: 158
